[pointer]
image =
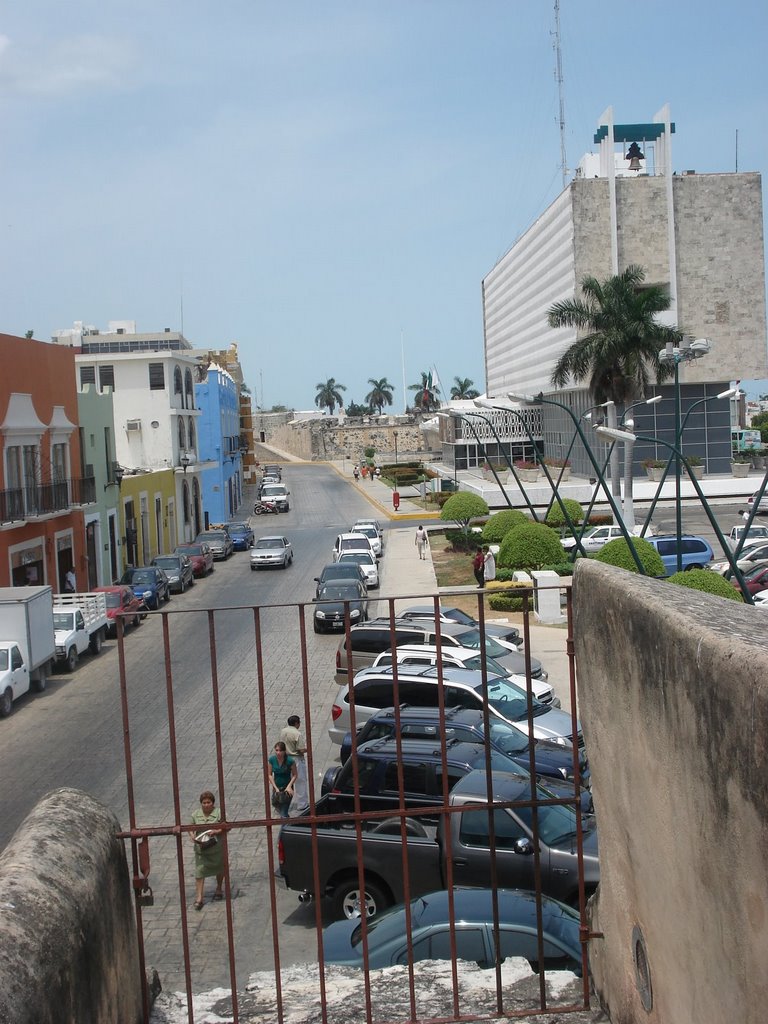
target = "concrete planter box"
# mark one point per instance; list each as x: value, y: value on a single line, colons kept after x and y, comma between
x: 740, y: 469
x: 555, y: 471
x: 528, y: 476
x: 501, y: 474
x: 654, y: 472
x: 697, y: 471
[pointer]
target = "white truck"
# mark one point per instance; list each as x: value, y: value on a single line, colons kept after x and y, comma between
x: 80, y: 622
x: 27, y: 649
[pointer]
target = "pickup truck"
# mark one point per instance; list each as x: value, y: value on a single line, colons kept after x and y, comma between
x: 27, y: 651
x: 463, y: 843
x: 80, y: 622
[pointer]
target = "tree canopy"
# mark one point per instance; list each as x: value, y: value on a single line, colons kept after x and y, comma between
x: 620, y: 349
x: 463, y: 388
x: 380, y: 393
x: 329, y: 395
x: 426, y: 394
x: 462, y: 507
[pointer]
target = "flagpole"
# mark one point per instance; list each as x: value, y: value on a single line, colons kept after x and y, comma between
x: 402, y: 360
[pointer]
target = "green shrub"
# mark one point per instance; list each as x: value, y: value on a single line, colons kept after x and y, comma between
x: 707, y: 581
x: 461, y: 541
x: 461, y: 508
x: 530, y: 546
x: 499, y: 525
x: 555, y: 517
x: 616, y: 552
x: 561, y: 568
x: 507, y: 602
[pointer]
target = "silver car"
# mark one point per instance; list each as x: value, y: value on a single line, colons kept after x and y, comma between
x: 270, y: 552
x: 218, y: 541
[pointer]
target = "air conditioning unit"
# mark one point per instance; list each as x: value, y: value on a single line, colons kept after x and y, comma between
x: 133, y: 425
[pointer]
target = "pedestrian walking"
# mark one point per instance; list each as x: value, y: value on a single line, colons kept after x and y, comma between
x: 296, y: 747
x: 282, y: 778
x: 478, y: 567
x: 356, y: 473
x: 70, y: 581
x: 209, y: 850
x: 489, y: 565
x: 421, y: 541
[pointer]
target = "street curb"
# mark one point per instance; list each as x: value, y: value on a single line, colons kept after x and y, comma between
x: 391, y: 515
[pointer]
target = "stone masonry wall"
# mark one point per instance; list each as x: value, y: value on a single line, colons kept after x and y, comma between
x: 68, y: 951
x: 673, y: 699
x: 328, y: 439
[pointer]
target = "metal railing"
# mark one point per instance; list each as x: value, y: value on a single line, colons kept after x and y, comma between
x: 20, y: 503
x: 233, y: 738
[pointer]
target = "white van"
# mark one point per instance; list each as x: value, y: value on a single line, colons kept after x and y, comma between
x: 351, y: 542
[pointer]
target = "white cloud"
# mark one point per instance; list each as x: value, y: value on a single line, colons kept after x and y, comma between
x: 84, y: 62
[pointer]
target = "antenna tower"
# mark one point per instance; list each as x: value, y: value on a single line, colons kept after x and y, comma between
x: 559, y: 79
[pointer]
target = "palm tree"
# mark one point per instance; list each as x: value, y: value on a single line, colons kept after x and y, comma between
x: 463, y: 387
x: 329, y: 395
x: 427, y: 394
x: 380, y: 393
x: 620, y: 347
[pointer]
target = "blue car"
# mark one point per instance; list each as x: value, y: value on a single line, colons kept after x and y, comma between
x: 474, y: 932
x: 695, y: 552
x: 150, y: 584
x: 242, y: 536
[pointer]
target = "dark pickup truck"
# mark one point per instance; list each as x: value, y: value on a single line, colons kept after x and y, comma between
x: 465, y: 843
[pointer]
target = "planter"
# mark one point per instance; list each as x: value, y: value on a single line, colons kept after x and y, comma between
x: 528, y: 476
x: 740, y: 469
x: 654, y: 473
x: 697, y: 471
x: 555, y: 471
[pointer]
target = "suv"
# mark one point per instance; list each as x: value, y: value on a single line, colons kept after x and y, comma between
x: 369, y: 640
x: 695, y: 552
x: 351, y: 542
x: 369, y: 530
x: 374, y: 689
x: 462, y: 657
x: 551, y: 761
x: 274, y: 496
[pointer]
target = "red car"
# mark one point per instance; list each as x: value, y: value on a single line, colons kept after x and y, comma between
x: 756, y: 579
x: 122, y: 600
x: 200, y: 555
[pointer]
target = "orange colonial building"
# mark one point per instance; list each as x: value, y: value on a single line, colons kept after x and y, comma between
x: 42, y: 488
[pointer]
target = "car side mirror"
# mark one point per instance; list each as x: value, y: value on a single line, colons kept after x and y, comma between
x: 523, y: 847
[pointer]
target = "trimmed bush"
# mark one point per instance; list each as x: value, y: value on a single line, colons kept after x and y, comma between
x: 530, y: 546
x: 616, y: 552
x: 707, y: 581
x: 507, y: 602
x: 555, y: 517
x: 460, y: 541
x: 561, y: 568
x: 499, y: 525
x: 461, y: 508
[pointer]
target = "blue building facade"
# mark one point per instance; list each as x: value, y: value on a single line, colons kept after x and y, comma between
x: 219, y: 443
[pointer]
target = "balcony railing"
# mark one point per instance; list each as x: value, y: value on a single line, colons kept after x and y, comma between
x: 20, y: 503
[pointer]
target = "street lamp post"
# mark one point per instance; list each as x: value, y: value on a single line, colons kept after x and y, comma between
x: 394, y: 435
x: 625, y: 435
x: 540, y: 399
x: 629, y: 506
x: 674, y: 355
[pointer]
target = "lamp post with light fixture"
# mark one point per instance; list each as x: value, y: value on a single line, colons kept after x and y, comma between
x: 673, y: 355
x: 615, y: 434
x: 184, y: 462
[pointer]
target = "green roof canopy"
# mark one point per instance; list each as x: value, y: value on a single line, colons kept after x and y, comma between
x: 648, y: 132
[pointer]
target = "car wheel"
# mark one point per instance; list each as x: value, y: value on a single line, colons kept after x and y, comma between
x: 6, y: 702
x: 689, y: 567
x: 315, y: 626
x: 136, y: 621
x: 168, y: 595
x: 96, y: 642
x: 253, y: 568
x: 71, y: 659
x: 347, y: 901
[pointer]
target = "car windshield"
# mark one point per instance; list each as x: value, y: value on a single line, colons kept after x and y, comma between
x: 361, y: 557
x: 506, y: 738
x: 473, y: 639
x: 143, y: 576
x: 492, y: 667
x: 457, y: 615
x: 167, y: 562
x: 192, y: 549
x: 219, y: 535
x: 239, y: 528
x: 269, y: 543
x: 3, y: 661
x: 63, y: 620
x: 338, y: 592
x: 272, y: 490
x: 368, y: 531
x: 509, y: 701
x: 754, y: 573
x: 499, y: 762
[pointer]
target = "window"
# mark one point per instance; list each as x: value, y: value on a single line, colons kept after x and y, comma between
x: 177, y: 381
x: 156, y: 377
x: 474, y: 829
x: 192, y: 437
x: 106, y: 377
x: 108, y: 454
x: 345, y: 781
x: 415, y: 778
x: 182, y: 436
x: 59, y: 462
x: 189, y: 389
x: 13, y: 467
x: 87, y: 375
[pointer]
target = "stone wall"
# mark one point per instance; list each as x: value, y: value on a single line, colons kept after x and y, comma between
x: 68, y: 952
x: 328, y: 439
x: 673, y: 697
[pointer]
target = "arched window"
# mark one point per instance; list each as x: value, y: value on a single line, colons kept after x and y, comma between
x: 182, y: 436
x: 189, y: 389
x: 177, y: 380
x: 185, y: 502
x: 192, y: 436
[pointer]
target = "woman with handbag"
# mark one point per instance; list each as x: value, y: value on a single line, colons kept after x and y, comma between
x: 209, y: 851
x: 282, y: 778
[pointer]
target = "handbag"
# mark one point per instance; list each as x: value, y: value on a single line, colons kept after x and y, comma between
x: 280, y: 797
x: 206, y: 841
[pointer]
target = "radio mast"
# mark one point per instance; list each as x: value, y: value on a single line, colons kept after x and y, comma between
x: 559, y: 79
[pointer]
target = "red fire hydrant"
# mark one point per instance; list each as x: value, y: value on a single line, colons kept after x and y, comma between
x: 396, y: 499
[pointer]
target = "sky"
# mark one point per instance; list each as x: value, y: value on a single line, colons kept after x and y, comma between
x: 327, y: 183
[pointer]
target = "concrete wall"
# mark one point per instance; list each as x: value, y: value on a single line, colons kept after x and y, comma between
x: 328, y: 439
x: 68, y: 952
x: 673, y: 694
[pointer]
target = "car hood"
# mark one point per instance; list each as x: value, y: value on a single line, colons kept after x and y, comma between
x: 550, y: 725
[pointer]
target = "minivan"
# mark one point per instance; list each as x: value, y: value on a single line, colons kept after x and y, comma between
x: 351, y: 542
x: 374, y: 637
x: 695, y: 552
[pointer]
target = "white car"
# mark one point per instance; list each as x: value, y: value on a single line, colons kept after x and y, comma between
x: 268, y: 552
x: 747, y: 560
x: 761, y: 599
x: 461, y: 657
x: 594, y: 538
x: 350, y: 542
x: 369, y: 530
x: 762, y: 508
x: 755, y: 535
x: 367, y: 562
